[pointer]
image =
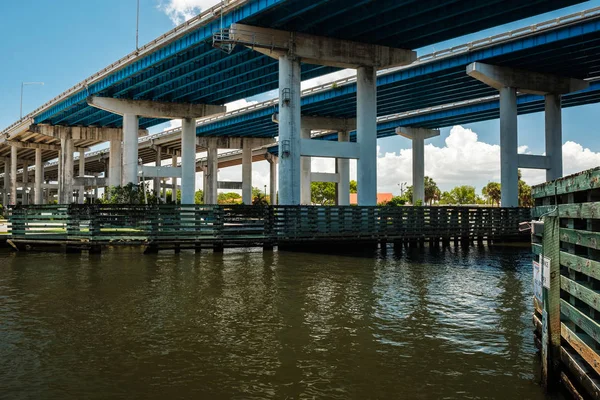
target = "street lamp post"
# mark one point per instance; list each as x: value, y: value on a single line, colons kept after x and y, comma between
x: 23, y: 84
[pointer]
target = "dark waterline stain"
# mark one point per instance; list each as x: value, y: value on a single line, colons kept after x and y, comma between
x: 425, y: 324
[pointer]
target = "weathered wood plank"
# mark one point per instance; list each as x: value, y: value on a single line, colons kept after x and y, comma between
x: 584, y: 322
x: 581, y: 238
x: 583, y: 373
x: 582, y: 348
x: 580, y: 264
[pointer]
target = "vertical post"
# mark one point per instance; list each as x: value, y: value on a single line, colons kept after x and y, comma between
x: 343, y: 170
x: 114, y: 163
x: 553, y: 121
x: 366, y: 135
x: 273, y: 180
x: 157, y: 164
x: 418, y: 155
x: 289, y: 130
x: 39, y: 177
x: 509, y: 172
x: 66, y: 159
x: 6, y: 182
x: 210, y: 194
x: 305, y: 175
x: 188, y: 160
x: 130, y: 149
x: 81, y: 175
x: 174, y: 180
x: 13, y: 175
x: 205, y: 184
x: 246, y: 172
x: 24, y: 194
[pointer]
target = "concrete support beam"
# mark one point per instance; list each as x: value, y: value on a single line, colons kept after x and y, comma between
x: 81, y: 197
x: 329, y: 149
x: 13, y: 176
x: 343, y: 170
x: 305, y: 167
x: 509, y: 170
x: 7, y: 180
x: 90, y: 133
x: 289, y: 130
x: 325, y: 177
x: 155, y: 109
x: 324, y: 123
x: 188, y: 160
x: 24, y: 194
x: 159, y: 172
x: 114, y: 163
x: 130, y: 149
x: 553, y: 130
x: 43, y: 146
x: 222, y: 142
x: 166, y: 151
x: 272, y: 178
x: 418, y: 136
x: 366, y: 135
x: 533, y: 161
x: 65, y: 180
x: 89, y: 181
x: 210, y: 191
x: 318, y: 49
x: 524, y: 81
x: 247, y: 174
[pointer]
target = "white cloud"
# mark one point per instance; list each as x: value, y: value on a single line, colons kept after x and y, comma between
x: 180, y: 11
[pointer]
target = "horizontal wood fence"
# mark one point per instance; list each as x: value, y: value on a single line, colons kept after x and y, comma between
x: 270, y: 225
x: 567, y: 251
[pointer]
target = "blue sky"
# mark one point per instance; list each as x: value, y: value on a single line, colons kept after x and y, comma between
x: 62, y: 42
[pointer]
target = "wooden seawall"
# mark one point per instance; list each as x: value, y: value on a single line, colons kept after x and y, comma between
x: 567, y: 303
x: 197, y: 226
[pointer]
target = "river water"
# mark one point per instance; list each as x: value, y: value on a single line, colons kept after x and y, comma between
x: 423, y: 324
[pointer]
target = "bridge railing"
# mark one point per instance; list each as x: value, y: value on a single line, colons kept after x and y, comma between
x: 254, y: 224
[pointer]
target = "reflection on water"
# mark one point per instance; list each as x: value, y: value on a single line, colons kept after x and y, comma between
x: 424, y: 324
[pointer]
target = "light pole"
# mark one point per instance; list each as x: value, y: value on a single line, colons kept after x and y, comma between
x: 23, y: 84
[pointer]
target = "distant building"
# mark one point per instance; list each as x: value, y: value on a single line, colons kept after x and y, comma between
x: 381, y: 198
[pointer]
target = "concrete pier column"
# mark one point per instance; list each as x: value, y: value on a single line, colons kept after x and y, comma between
x: 273, y: 179
x: 553, y: 118
x: 509, y: 171
x: 246, y: 172
x: 210, y: 193
x: 158, y: 164
x: 13, y: 175
x: 130, y: 149
x: 188, y: 160
x: 204, y: 184
x: 174, y: 180
x: 114, y: 163
x: 366, y: 135
x: 305, y: 174
x: 5, y: 195
x: 343, y: 170
x: 289, y: 130
x: 24, y: 194
x: 418, y: 168
x: 81, y: 197
x: 65, y: 179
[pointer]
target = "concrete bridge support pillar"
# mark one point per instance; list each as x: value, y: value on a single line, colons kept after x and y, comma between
x: 130, y: 149
x: 553, y: 128
x: 210, y: 193
x: 188, y: 160
x: 272, y: 178
x: 418, y: 136
x: 366, y: 135
x: 5, y: 196
x: 81, y: 197
x: 343, y: 169
x: 246, y: 172
x: 13, y: 175
x: 65, y: 178
x: 39, y: 177
x: 509, y: 171
x: 175, y: 188
x: 289, y: 130
x: 305, y: 176
x: 24, y: 194
x: 156, y: 182
x: 204, y: 183
x: 114, y: 163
